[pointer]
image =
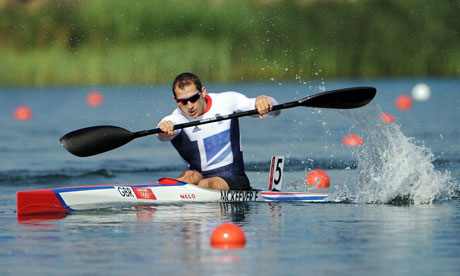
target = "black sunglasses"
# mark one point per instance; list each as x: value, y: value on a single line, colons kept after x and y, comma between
x: 191, y: 99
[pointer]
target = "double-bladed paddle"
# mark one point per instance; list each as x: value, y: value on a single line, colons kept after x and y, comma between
x: 98, y: 139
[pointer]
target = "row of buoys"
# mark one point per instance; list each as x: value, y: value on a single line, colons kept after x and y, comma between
x: 420, y: 92
x: 24, y: 112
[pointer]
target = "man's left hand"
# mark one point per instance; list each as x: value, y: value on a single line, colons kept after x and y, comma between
x: 263, y: 105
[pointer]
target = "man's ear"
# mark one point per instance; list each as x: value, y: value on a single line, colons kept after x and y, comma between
x: 203, y: 91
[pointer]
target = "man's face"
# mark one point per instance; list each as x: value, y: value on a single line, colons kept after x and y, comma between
x: 189, y: 94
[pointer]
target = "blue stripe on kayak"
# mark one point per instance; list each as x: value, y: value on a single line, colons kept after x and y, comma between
x: 294, y: 198
x: 88, y: 188
x: 76, y: 189
x: 62, y: 201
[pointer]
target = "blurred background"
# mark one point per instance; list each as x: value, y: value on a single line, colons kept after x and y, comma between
x: 63, y: 42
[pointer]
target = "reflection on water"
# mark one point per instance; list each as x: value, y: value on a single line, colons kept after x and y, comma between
x: 328, y: 238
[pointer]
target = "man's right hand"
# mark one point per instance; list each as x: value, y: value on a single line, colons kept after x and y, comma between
x: 168, y: 129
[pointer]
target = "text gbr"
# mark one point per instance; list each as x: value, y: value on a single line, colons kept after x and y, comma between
x: 126, y: 192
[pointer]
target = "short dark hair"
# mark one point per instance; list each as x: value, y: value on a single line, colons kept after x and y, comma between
x: 186, y: 79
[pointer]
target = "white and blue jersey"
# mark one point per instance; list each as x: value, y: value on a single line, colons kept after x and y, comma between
x: 213, y: 149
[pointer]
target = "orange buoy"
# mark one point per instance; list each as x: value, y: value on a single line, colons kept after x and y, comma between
x: 22, y: 113
x: 228, y: 236
x: 403, y: 102
x: 94, y: 99
x: 352, y: 140
x: 387, y: 117
x: 318, y: 179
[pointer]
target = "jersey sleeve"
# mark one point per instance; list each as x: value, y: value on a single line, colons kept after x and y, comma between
x: 244, y: 103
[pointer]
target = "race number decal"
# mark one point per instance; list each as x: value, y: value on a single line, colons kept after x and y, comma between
x: 276, y: 173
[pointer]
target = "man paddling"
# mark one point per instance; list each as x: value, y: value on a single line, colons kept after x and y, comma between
x: 212, y: 151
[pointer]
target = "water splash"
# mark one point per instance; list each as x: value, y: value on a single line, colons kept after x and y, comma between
x: 396, y: 169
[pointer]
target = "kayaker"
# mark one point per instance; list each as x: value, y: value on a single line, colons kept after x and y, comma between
x: 212, y: 151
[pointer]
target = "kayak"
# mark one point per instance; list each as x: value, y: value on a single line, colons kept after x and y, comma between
x: 167, y: 190
x: 98, y: 139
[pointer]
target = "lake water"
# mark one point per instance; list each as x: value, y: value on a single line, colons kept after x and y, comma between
x: 406, y: 218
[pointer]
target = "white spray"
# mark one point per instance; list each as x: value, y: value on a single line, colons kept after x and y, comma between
x: 393, y: 168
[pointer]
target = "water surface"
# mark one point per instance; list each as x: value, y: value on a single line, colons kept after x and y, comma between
x: 413, y: 164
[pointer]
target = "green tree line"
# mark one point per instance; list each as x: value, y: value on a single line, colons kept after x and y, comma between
x: 140, y: 42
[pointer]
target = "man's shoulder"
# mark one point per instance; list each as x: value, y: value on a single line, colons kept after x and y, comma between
x: 177, y: 116
x: 227, y: 95
x: 232, y: 101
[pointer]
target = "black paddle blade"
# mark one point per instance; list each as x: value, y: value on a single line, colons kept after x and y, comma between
x: 346, y: 98
x: 94, y: 140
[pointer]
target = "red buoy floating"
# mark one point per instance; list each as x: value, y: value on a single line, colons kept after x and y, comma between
x: 352, y: 140
x: 22, y: 113
x: 403, y: 102
x: 317, y: 178
x: 94, y: 99
x: 228, y: 236
x: 387, y: 117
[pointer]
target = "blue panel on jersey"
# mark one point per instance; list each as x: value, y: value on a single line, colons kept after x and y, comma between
x: 222, y: 156
x: 214, y: 144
